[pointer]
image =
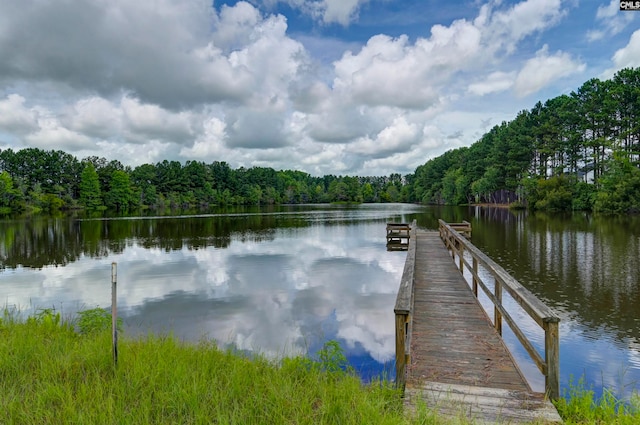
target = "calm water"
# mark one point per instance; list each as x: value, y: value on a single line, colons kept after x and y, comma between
x: 283, y: 280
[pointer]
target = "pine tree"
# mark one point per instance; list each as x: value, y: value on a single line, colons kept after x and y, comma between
x: 90, y: 195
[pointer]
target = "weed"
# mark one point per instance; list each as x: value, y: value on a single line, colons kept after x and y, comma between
x: 95, y: 320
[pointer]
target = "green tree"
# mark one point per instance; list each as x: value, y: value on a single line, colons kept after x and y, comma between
x: 620, y: 189
x: 142, y: 178
x: 9, y: 195
x: 367, y: 193
x: 554, y: 194
x: 338, y: 191
x: 120, y: 194
x: 90, y: 195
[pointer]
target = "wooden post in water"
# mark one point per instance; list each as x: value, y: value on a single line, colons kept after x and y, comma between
x: 114, y: 312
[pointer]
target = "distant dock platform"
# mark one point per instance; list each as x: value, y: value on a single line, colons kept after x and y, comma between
x: 398, y: 236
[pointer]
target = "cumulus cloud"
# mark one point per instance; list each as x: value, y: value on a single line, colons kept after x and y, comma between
x: 156, y: 79
x: 210, y: 142
x: 391, y: 71
x: 611, y: 20
x: 150, y: 122
x: 16, y: 117
x: 342, y: 12
x: 629, y: 55
x: 543, y: 69
x: 399, y: 136
x: 160, y: 50
x: 505, y: 28
x: 95, y: 117
x: 51, y: 135
x: 495, y: 82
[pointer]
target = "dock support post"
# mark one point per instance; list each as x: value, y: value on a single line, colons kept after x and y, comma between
x: 401, y: 358
x: 552, y: 357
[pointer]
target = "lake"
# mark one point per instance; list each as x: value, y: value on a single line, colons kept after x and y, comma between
x: 283, y: 280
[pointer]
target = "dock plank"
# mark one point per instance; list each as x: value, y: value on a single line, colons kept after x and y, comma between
x: 456, y: 355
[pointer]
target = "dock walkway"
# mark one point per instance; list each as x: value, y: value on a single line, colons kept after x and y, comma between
x: 457, y: 362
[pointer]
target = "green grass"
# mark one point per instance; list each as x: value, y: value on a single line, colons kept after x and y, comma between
x: 55, y: 371
x: 580, y: 406
x: 50, y: 373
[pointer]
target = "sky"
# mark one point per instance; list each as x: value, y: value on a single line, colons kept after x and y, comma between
x: 343, y: 87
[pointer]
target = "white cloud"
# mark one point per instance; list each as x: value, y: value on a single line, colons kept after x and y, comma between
x: 504, y: 29
x: 51, y: 135
x: 342, y: 12
x: 16, y: 117
x: 210, y: 143
x: 611, y: 20
x: 159, y: 50
x: 399, y: 136
x: 629, y: 55
x: 146, y: 122
x: 495, y: 82
x: 393, y: 72
x: 153, y: 80
x: 543, y: 69
x: 135, y: 153
x: 235, y: 25
x: 95, y: 117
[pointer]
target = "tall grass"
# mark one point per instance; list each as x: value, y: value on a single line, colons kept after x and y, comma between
x: 52, y: 374
x: 580, y: 406
x: 55, y: 371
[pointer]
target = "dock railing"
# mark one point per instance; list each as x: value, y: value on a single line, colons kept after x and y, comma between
x: 403, y: 310
x: 536, y: 309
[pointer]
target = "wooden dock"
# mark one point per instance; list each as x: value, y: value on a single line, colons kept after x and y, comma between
x: 449, y: 354
x: 398, y: 236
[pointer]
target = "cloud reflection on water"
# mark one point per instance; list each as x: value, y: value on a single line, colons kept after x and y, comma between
x: 279, y: 296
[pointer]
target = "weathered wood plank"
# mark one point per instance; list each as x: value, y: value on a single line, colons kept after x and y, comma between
x: 454, y: 343
x: 536, y: 309
x: 448, y: 322
x: 487, y: 405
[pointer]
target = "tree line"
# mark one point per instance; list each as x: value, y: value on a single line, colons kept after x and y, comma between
x: 577, y: 151
x: 35, y: 180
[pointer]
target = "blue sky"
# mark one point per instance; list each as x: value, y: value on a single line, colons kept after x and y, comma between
x: 346, y: 87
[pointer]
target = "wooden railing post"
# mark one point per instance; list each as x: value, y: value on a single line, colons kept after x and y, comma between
x: 497, y: 315
x: 454, y: 245
x: 475, y: 278
x: 552, y: 357
x: 461, y: 259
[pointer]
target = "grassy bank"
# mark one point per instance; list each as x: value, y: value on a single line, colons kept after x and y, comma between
x: 52, y: 374
x: 60, y: 372
x: 580, y: 406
